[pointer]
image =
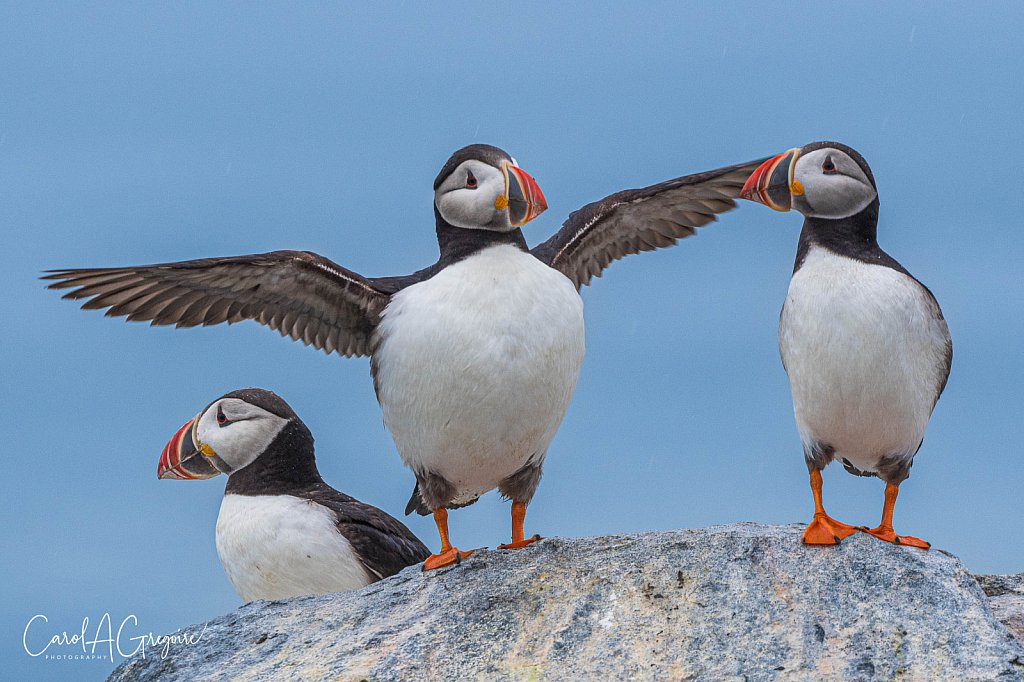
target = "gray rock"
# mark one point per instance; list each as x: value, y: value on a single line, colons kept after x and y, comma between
x: 738, y: 602
x: 1006, y: 597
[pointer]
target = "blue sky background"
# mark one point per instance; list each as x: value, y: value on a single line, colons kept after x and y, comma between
x: 137, y: 133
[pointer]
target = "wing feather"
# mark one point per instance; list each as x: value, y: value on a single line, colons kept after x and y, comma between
x: 298, y: 293
x: 636, y: 220
x: 383, y: 544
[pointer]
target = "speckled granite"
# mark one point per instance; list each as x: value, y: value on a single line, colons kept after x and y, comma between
x: 1006, y: 597
x: 726, y: 603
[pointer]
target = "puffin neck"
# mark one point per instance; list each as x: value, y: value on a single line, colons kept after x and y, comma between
x: 288, y: 465
x: 458, y: 243
x: 855, y: 237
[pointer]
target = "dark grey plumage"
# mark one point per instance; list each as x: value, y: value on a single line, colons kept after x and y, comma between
x: 383, y: 544
x: 433, y: 491
x: 300, y: 294
x: 891, y: 468
x: 636, y: 220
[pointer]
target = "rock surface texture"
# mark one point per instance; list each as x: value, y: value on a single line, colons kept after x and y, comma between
x: 727, y: 603
x: 1006, y: 597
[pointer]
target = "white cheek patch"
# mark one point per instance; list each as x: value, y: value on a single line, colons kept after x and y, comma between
x: 244, y: 438
x: 831, y: 195
x: 834, y: 196
x: 473, y: 208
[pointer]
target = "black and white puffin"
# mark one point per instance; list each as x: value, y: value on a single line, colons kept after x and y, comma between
x: 864, y: 344
x: 282, y: 532
x: 475, y: 358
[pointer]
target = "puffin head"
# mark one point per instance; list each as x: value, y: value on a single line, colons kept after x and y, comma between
x: 226, y: 436
x: 482, y: 188
x: 820, y: 180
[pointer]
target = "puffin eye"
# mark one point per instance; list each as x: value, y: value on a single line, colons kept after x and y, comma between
x: 828, y: 168
x: 470, y: 180
x: 222, y: 418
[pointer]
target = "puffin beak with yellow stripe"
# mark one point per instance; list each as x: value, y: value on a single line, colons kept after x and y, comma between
x: 522, y: 196
x: 184, y: 458
x: 773, y: 184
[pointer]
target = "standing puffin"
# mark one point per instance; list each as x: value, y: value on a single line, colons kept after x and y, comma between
x: 282, y: 532
x: 475, y: 358
x: 864, y: 344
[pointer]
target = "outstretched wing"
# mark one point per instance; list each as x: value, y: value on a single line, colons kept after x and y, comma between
x: 636, y: 220
x: 300, y: 294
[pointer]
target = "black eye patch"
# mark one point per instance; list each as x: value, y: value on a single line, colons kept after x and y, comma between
x: 470, y: 180
x: 828, y: 168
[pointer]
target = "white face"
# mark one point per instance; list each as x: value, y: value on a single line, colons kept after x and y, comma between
x: 466, y: 197
x: 237, y: 431
x: 834, y: 185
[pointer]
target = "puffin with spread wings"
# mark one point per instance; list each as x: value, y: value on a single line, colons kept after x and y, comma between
x: 475, y: 358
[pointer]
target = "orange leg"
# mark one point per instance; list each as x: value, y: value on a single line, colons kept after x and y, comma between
x: 823, y: 529
x: 518, y: 517
x: 448, y: 555
x: 884, y: 530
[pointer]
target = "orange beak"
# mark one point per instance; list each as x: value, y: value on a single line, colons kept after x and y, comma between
x: 772, y: 183
x: 525, y: 200
x: 181, y: 460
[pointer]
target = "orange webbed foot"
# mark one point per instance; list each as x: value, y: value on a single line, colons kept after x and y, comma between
x: 521, y: 543
x: 452, y: 557
x: 886, y: 533
x: 824, y: 530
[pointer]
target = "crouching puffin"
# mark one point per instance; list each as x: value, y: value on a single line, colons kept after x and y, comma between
x: 475, y: 358
x: 864, y: 344
x: 282, y: 532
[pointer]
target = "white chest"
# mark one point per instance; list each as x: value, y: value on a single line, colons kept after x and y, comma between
x: 279, y: 546
x: 863, y: 346
x: 477, y: 365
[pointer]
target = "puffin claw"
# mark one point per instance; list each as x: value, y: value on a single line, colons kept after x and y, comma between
x: 451, y: 557
x: 824, y: 530
x: 521, y: 543
x: 886, y: 533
